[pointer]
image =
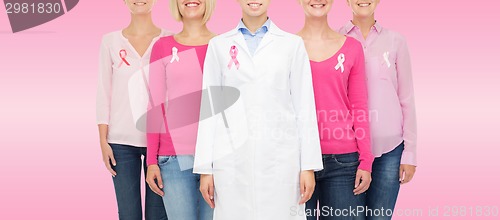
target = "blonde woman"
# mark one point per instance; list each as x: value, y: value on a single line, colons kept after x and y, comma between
x: 176, y: 74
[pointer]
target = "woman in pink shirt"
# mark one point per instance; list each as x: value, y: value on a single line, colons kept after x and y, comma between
x: 175, y: 83
x: 338, y: 69
x: 123, y: 56
x: 391, y: 100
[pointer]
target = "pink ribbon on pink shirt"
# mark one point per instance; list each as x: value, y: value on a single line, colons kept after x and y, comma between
x: 234, y: 53
x: 123, y: 55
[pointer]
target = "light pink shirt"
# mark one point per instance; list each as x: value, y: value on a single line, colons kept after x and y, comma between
x: 390, y: 91
x: 114, y: 105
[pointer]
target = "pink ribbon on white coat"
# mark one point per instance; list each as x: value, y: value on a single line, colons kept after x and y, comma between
x: 123, y: 56
x: 233, y: 52
x: 340, y: 64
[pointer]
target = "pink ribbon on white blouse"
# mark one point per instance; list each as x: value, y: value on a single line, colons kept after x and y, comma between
x: 123, y: 55
x: 234, y: 53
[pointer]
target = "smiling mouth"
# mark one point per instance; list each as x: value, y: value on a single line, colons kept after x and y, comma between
x: 140, y: 3
x: 192, y: 4
x: 364, y: 4
x: 318, y: 5
x: 254, y: 5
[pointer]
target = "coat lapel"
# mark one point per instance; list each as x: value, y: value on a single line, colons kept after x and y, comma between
x: 273, y: 32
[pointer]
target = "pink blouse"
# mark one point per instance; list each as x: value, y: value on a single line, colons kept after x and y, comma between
x: 175, y: 81
x: 390, y: 91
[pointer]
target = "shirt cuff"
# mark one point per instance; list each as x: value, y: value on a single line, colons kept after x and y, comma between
x: 409, y: 158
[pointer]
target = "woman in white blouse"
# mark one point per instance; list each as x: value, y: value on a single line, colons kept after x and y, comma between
x: 123, y: 54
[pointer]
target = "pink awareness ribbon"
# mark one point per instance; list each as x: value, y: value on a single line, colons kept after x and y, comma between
x: 234, y: 53
x: 123, y: 55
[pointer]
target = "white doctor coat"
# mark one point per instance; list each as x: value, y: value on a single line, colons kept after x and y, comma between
x: 258, y: 146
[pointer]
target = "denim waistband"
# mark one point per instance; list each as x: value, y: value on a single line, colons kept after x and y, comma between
x: 355, y: 154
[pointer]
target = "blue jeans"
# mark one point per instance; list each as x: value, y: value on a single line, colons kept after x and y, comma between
x: 334, y: 189
x: 128, y: 185
x: 182, y: 199
x: 384, y: 189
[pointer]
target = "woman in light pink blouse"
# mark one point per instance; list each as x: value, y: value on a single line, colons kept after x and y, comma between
x: 123, y: 55
x: 338, y: 71
x: 392, y: 106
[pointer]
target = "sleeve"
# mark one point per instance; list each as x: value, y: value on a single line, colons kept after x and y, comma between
x: 358, y: 98
x: 203, y: 160
x: 301, y: 90
x: 103, y: 100
x: 156, y: 120
x: 407, y: 101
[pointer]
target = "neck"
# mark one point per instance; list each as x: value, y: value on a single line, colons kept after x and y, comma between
x: 193, y: 28
x: 254, y: 23
x: 364, y: 23
x: 316, y: 28
x: 141, y: 24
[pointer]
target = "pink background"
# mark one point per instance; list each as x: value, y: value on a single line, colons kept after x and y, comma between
x: 51, y: 164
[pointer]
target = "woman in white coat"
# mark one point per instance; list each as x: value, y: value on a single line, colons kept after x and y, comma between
x: 257, y: 157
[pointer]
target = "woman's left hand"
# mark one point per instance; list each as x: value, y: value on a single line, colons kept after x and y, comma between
x: 307, y: 184
x: 362, y: 182
x: 406, y: 173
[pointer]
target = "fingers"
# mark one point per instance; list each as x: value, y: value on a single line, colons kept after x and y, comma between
x: 107, y: 162
x: 408, y: 176
x: 113, y: 161
x: 357, y: 181
x: 362, y: 182
x: 208, y: 196
x: 406, y: 173
x: 362, y: 187
x: 211, y: 196
x: 401, y: 174
x: 306, y: 192
x: 156, y: 188
x: 207, y: 190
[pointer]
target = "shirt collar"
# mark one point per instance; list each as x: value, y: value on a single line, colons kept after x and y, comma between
x: 350, y: 26
x: 265, y: 27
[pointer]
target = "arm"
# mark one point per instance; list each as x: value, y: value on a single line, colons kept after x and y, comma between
x: 203, y: 161
x: 305, y: 108
x: 103, y: 101
x: 407, y: 101
x: 301, y: 90
x: 155, y: 123
x: 358, y: 98
x: 206, y: 128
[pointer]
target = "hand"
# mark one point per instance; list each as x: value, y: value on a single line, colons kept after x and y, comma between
x: 406, y: 173
x: 154, y: 175
x: 207, y: 189
x: 362, y: 182
x: 307, y: 184
x: 108, y: 157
